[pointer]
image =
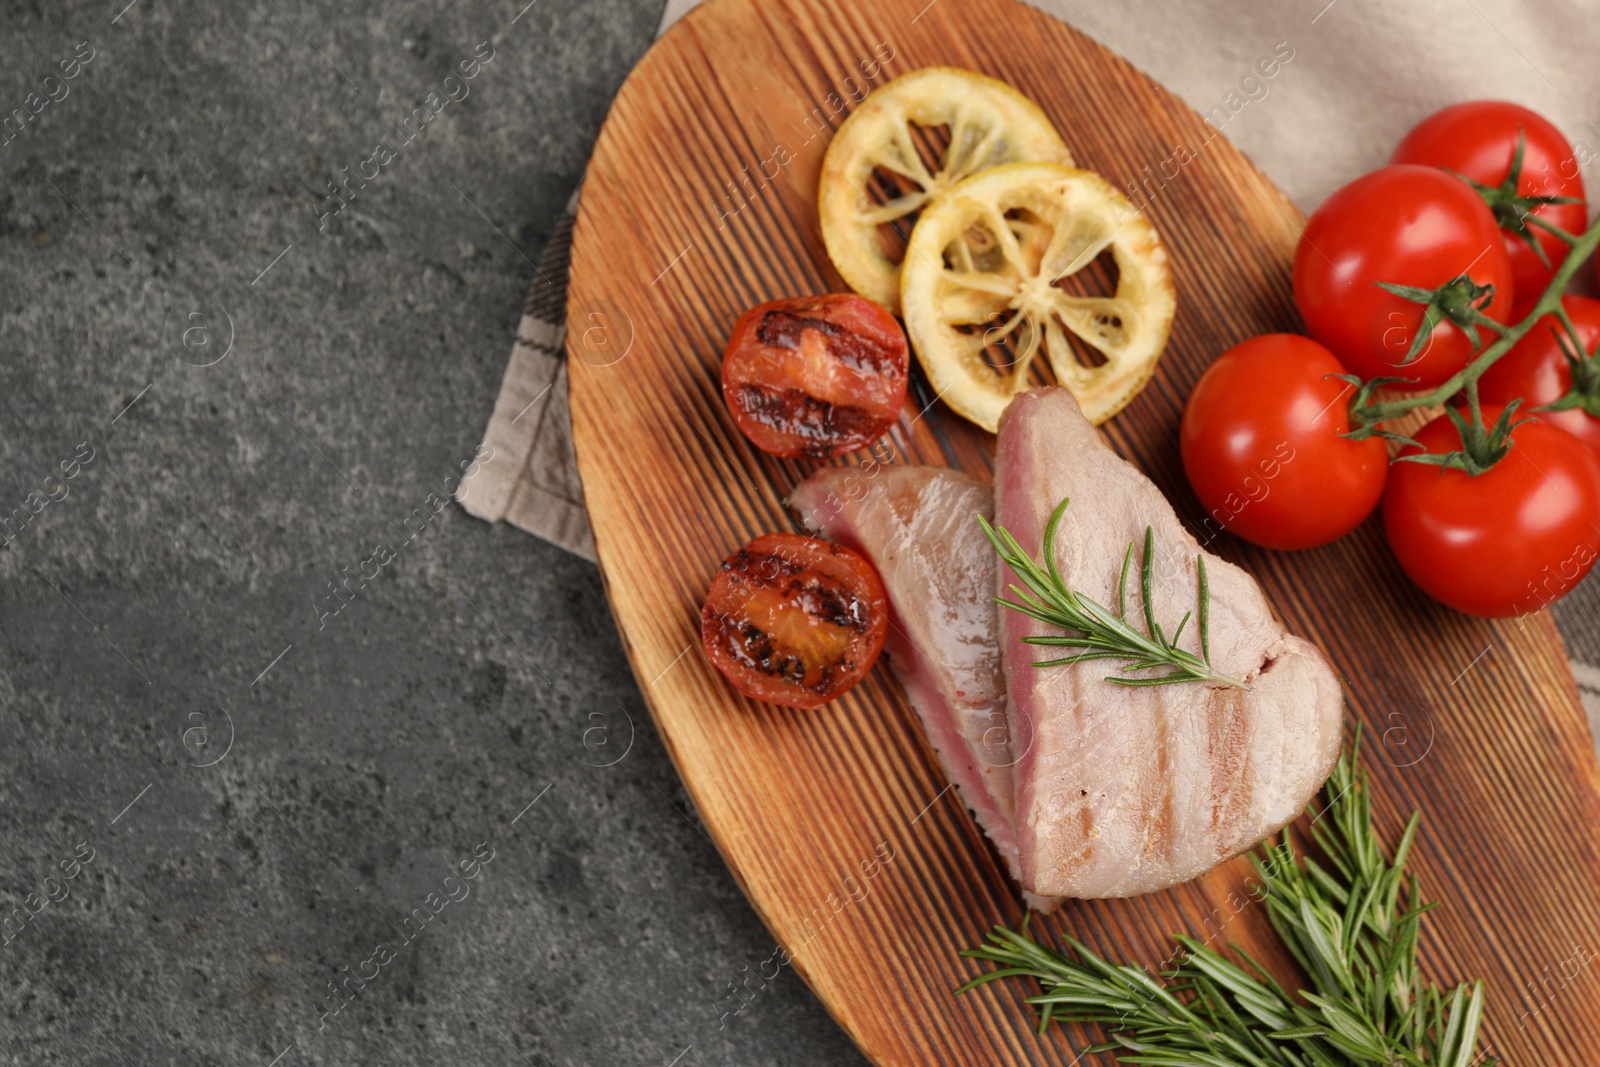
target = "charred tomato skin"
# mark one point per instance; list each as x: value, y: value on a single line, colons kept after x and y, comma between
x: 1405, y: 225
x: 794, y: 620
x: 815, y: 376
x: 1536, y: 370
x: 1477, y: 140
x: 1503, y: 543
x: 1262, y: 448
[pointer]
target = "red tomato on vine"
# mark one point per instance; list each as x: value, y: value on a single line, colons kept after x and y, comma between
x: 1481, y: 141
x: 1262, y: 445
x: 1508, y: 541
x: 1547, y: 367
x: 1418, y: 228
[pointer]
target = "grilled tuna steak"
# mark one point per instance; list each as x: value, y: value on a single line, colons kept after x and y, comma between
x: 1129, y: 790
x: 918, y: 526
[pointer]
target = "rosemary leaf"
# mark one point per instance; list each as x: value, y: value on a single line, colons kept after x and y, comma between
x: 1350, y: 921
x: 1044, y: 596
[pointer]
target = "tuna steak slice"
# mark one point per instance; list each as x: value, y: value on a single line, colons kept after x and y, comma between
x: 1130, y: 790
x: 918, y: 527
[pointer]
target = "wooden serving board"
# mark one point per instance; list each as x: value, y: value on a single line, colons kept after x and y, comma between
x: 700, y: 202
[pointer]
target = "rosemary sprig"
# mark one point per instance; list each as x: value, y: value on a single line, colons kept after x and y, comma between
x: 1095, y: 628
x: 1344, y: 922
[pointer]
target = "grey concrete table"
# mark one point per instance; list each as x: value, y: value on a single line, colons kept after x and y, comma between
x: 301, y: 765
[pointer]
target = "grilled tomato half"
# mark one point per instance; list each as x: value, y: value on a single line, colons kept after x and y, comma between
x: 793, y: 620
x: 815, y: 376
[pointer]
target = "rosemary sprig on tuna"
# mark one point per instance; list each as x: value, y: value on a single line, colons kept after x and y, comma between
x: 1100, y: 632
x: 1349, y: 920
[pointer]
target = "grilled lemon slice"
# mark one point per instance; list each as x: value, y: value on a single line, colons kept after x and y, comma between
x: 980, y: 301
x: 989, y: 123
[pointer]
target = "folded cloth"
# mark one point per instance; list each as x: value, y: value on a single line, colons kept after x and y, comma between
x: 530, y: 475
x: 1349, y: 78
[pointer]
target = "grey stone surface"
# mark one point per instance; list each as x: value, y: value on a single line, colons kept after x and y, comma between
x: 265, y: 789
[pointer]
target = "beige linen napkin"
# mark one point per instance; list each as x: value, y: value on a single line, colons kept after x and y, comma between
x: 530, y: 478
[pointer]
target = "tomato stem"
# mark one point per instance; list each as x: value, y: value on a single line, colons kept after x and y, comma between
x: 1552, y: 228
x: 1365, y: 415
x: 1514, y: 210
x: 1583, y: 371
x: 1572, y: 331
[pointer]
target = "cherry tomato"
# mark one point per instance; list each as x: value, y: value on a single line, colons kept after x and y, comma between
x: 1536, y: 370
x: 1261, y: 446
x: 815, y: 376
x: 1405, y: 225
x: 1478, y: 140
x: 1509, y: 541
x: 793, y: 620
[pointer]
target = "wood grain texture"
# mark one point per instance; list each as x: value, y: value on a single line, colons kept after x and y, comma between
x: 1477, y: 724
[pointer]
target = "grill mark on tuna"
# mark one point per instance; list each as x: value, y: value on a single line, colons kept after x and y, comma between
x: 1160, y: 836
x: 1083, y: 855
x: 1233, y: 787
x: 1230, y: 789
